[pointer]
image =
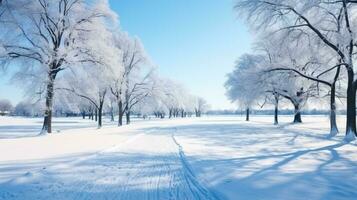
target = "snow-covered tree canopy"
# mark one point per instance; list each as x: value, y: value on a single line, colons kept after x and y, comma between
x: 312, y: 41
x: 51, y: 32
x: 243, y: 84
x: 5, y: 105
x: 47, y: 37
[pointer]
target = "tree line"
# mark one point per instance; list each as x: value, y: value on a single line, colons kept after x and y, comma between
x: 72, y: 55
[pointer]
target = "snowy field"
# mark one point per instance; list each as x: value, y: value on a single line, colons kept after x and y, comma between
x: 207, y: 158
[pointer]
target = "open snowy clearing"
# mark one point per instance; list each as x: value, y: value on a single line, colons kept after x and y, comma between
x: 207, y: 158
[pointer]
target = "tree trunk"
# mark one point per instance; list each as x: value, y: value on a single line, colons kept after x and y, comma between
x: 198, y: 113
x: 247, y: 115
x: 276, y: 110
x: 96, y: 114
x: 83, y: 115
x: 47, y: 122
x: 351, y: 108
x: 100, y: 113
x: 112, y: 114
x: 127, y: 114
x: 297, y: 114
x: 120, y: 113
x: 127, y: 102
x: 333, y: 124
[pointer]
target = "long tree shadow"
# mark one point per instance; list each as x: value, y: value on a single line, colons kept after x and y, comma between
x: 270, y: 174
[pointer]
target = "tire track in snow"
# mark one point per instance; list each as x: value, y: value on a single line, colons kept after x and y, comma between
x: 163, y: 174
x: 194, y: 184
x: 160, y: 171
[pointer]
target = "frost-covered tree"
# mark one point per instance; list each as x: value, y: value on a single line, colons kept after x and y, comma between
x: 92, y: 81
x: 123, y: 85
x: 155, y: 103
x: 297, y: 93
x: 167, y: 97
x: 272, y: 85
x: 174, y: 95
x: 190, y: 105
x: 200, y: 106
x: 242, y: 84
x: 22, y: 109
x: 332, y: 22
x: 252, y: 81
x: 65, y: 104
x: 286, y: 83
x: 48, y: 37
x: 28, y: 109
x: 85, y: 108
x: 137, y: 89
x: 90, y: 85
x: 306, y: 58
x: 5, y: 106
x: 111, y: 107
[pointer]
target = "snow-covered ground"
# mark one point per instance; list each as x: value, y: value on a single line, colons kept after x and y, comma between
x: 207, y: 158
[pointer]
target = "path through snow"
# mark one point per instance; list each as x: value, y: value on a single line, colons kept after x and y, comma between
x: 147, y: 166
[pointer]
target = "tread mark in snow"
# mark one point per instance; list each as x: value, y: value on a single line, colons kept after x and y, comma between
x: 117, y: 173
x: 196, y: 188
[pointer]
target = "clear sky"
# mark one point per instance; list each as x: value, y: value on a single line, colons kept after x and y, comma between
x: 192, y: 41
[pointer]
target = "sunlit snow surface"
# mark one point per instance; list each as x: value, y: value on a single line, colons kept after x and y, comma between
x: 208, y: 158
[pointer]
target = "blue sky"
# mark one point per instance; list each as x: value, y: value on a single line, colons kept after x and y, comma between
x: 192, y: 41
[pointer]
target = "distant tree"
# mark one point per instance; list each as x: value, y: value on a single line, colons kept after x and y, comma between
x: 5, y: 106
x: 28, y: 109
x: 200, y: 106
x: 155, y: 102
x: 166, y: 98
x: 110, y: 107
x: 22, y: 109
